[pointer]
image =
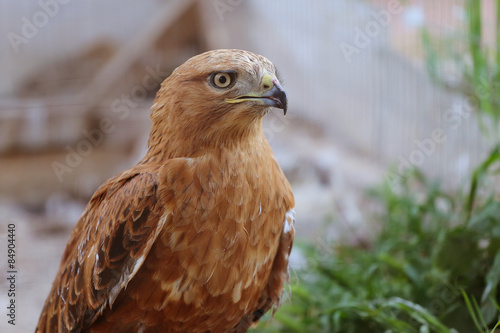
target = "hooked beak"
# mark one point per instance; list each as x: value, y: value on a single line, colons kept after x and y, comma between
x: 275, y: 96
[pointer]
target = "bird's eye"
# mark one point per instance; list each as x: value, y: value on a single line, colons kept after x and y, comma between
x: 222, y: 79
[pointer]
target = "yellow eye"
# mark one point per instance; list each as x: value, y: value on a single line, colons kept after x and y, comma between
x: 222, y: 80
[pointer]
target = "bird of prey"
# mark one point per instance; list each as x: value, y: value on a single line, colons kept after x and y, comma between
x: 196, y: 237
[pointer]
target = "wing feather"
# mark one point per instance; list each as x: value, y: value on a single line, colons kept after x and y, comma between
x: 105, y: 250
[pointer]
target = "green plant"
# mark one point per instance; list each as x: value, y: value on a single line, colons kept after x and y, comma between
x: 434, y: 267
x: 475, y: 65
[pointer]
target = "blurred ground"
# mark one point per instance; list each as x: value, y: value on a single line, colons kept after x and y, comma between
x: 359, y: 97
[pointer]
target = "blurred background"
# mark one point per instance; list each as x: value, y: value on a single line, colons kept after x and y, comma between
x: 377, y: 89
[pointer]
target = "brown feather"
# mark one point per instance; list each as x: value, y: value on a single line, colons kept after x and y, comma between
x: 194, y: 238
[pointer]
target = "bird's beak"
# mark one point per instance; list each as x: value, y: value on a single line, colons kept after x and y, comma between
x: 275, y: 95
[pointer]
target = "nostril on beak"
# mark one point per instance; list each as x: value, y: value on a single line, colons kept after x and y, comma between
x: 267, y: 82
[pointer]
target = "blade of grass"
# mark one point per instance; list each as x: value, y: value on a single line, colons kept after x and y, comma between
x: 497, y: 3
x: 431, y: 55
x: 419, y: 313
x: 373, y: 311
x: 476, y: 177
x: 492, y: 279
x: 474, y: 10
x: 479, y: 314
x: 494, y: 302
x: 494, y: 328
x: 497, y: 79
x: 471, y: 309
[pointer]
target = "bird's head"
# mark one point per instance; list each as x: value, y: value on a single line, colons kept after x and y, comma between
x: 218, y: 97
x: 230, y: 81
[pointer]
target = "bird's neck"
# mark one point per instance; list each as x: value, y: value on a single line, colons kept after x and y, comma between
x: 168, y: 141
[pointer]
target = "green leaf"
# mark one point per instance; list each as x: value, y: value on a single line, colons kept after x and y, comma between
x: 492, y: 279
x: 457, y: 250
x: 419, y: 313
x: 487, y: 220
